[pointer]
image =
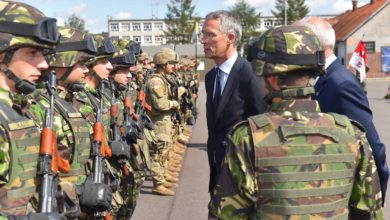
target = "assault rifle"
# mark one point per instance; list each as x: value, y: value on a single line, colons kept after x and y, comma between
x: 130, y: 121
x: 97, y: 194
x: 50, y: 164
x: 120, y: 149
x: 142, y: 106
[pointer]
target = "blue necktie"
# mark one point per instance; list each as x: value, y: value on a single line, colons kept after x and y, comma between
x: 217, y: 94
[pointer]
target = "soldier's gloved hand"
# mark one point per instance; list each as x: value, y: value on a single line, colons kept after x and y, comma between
x: 192, y: 83
x: 174, y: 105
x: 39, y: 216
x: 96, y: 195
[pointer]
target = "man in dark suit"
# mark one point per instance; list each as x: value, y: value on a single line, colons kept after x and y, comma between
x: 339, y: 91
x: 233, y: 91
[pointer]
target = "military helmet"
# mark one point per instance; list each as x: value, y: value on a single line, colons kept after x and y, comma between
x: 122, y: 57
x: 105, y: 48
x: 74, y: 46
x: 286, y: 49
x: 143, y: 56
x: 164, y: 56
x: 23, y: 25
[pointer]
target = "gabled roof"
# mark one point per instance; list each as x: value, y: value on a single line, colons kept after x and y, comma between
x: 347, y: 23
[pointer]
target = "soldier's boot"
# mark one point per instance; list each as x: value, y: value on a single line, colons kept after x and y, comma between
x: 178, y: 150
x: 177, y: 157
x: 187, y: 130
x: 170, y: 185
x: 174, y: 165
x: 170, y: 178
x: 182, y: 139
x: 181, y: 146
x: 173, y: 169
x: 172, y: 173
x: 387, y: 96
x: 160, y: 189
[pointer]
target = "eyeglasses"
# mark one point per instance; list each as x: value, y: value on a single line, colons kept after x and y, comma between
x: 46, y: 29
x: 208, y: 35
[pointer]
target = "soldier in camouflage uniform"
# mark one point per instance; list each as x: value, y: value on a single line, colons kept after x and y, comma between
x: 21, y: 63
x: 295, y: 162
x: 73, y: 131
x: 87, y: 101
x: 159, y: 96
x: 133, y: 179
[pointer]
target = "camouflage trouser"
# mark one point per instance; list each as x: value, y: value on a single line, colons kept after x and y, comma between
x: 160, y: 162
x: 130, y: 188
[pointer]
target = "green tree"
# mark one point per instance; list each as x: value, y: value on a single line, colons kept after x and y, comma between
x: 250, y: 21
x: 76, y: 22
x: 180, y: 21
x: 296, y: 9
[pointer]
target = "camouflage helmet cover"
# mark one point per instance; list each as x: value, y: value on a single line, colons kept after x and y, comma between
x: 143, y: 56
x: 106, y: 48
x: 165, y: 55
x: 71, y: 57
x: 286, y: 49
x: 16, y: 12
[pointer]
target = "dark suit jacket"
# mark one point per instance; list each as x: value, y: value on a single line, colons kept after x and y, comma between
x: 240, y: 99
x: 339, y: 91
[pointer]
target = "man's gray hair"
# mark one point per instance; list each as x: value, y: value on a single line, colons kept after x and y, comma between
x: 229, y: 23
x: 322, y: 29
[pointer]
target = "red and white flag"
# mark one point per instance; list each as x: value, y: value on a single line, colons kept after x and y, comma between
x: 359, y: 60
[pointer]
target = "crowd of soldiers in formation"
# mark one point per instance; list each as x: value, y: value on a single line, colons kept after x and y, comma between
x: 101, y: 117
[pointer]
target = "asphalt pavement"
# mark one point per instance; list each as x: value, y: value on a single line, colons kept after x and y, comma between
x: 191, y: 199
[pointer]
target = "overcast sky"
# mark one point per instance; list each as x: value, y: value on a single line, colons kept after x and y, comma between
x: 96, y: 12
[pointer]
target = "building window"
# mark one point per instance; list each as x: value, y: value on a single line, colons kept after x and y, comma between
x: 137, y: 38
x: 158, y: 39
x: 370, y: 46
x: 147, y: 39
x: 147, y: 26
x: 267, y: 23
x: 136, y: 26
x: 158, y: 26
x: 126, y: 37
x: 114, y: 27
x: 126, y: 26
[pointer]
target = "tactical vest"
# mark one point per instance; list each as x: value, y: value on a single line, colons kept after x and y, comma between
x: 81, y: 139
x: 24, y: 146
x: 303, y: 171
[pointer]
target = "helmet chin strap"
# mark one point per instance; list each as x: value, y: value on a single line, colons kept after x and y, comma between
x: 22, y: 86
x: 287, y: 92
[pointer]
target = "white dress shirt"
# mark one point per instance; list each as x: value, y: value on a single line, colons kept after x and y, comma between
x: 225, y: 69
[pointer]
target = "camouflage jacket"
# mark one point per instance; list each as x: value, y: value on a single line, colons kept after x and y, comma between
x: 241, y: 187
x: 159, y: 95
x: 19, y: 149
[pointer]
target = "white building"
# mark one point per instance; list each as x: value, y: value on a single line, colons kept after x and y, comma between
x: 150, y: 32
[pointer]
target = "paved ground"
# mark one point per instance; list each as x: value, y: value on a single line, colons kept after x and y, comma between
x: 190, y: 202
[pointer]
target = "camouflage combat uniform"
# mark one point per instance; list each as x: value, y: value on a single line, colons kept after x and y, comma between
x: 18, y: 166
x: 295, y: 162
x: 281, y: 170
